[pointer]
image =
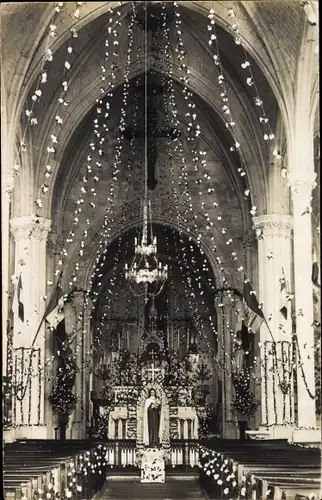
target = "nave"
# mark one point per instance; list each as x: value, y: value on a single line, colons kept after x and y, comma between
x: 161, y: 249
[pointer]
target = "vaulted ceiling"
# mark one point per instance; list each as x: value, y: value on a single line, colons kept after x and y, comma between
x: 271, y: 33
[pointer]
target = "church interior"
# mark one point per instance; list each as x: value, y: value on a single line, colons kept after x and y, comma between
x: 160, y: 217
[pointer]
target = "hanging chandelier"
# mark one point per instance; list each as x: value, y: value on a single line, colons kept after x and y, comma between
x: 146, y: 274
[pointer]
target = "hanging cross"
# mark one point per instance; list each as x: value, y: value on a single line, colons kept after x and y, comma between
x: 153, y: 132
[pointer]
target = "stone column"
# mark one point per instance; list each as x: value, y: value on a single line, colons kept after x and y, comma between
x: 81, y: 346
x: 250, y: 249
x: 77, y: 332
x: 274, y: 262
x: 7, y: 185
x: 250, y: 256
x: 30, y: 235
x: 224, y: 302
x: 301, y: 185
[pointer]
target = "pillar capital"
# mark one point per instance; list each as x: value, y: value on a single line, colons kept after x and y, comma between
x: 29, y: 226
x: 274, y: 225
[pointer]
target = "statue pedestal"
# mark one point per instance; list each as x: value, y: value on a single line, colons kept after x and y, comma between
x: 152, y: 468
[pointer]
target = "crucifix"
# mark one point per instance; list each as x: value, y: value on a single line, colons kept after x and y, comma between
x: 154, y: 131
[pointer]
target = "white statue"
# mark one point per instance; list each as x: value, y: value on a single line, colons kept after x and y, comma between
x: 153, y: 420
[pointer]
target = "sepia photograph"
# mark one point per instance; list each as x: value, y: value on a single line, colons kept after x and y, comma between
x: 160, y: 250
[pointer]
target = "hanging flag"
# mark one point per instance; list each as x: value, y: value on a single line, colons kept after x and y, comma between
x: 284, y: 297
x: 254, y: 315
x: 18, y: 302
x: 56, y: 314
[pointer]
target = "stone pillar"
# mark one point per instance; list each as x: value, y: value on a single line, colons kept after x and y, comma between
x: 30, y: 235
x: 301, y: 185
x: 250, y: 250
x: 224, y: 302
x: 250, y: 256
x: 76, y: 331
x: 81, y: 334
x: 274, y: 262
x: 7, y: 185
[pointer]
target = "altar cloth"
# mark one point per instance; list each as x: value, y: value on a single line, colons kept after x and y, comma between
x: 152, y: 466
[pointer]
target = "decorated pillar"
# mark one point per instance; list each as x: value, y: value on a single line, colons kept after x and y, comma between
x: 301, y: 185
x: 224, y: 303
x: 78, y: 328
x: 274, y: 291
x: 30, y: 235
x: 250, y: 249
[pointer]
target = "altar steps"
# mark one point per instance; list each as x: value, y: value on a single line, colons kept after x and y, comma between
x: 170, y: 490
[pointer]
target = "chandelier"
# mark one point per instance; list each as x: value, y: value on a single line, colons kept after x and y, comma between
x: 146, y: 274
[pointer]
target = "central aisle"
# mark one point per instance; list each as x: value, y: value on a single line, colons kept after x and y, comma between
x: 172, y: 490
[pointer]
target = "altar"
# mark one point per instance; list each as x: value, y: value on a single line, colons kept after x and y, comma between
x: 151, y: 398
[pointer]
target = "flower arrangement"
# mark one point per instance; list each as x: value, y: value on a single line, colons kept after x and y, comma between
x: 62, y: 400
x: 102, y: 425
x: 207, y: 420
x: 244, y: 403
x: 107, y: 394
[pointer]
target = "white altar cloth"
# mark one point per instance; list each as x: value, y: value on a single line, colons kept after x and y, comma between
x: 152, y: 466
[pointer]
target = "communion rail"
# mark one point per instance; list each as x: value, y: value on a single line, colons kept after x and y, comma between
x: 122, y: 452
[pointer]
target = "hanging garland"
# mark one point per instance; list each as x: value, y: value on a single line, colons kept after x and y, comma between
x: 42, y: 79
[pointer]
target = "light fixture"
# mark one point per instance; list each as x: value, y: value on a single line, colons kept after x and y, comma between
x: 146, y: 275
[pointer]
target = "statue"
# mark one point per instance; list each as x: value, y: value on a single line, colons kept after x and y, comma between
x: 153, y: 420
x: 239, y: 354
